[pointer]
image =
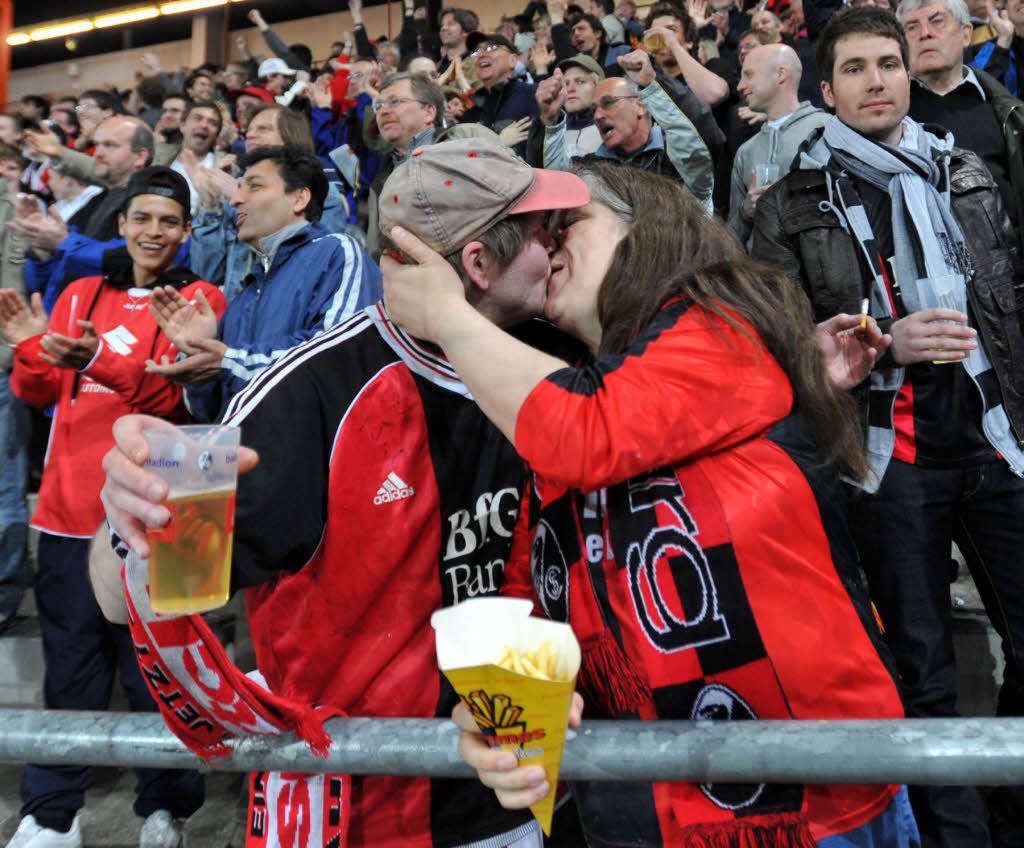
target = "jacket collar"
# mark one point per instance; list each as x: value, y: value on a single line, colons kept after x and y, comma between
x: 579, y: 120
x: 802, y: 111
x: 117, y: 272
x: 269, y: 245
x: 655, y: 142
x: 281, y: 244
x: 423, y: 138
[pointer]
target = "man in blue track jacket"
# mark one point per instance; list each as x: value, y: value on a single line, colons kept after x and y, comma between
x: 303, y: 281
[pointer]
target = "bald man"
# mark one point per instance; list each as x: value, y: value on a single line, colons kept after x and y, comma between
x: 623, y: 111
x: 110, y: 166
x: 770, y: 80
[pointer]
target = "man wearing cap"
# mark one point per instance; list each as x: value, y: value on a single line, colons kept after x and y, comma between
x: 89, y: 359
x: 275, y: 76
x: 503, y: 97
x: 576, y: 78
x: 382, y: 492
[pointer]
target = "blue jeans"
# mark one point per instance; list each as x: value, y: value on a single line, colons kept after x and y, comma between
x: 13, y: 511
x: 82, y: 650
x: 894, y: 827
x: 904, y: 534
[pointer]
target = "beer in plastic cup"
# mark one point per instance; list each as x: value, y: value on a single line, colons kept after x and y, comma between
x: 947, y: 294
x: 654, y: 41
x: 766, y: 173
x: 190, y: 557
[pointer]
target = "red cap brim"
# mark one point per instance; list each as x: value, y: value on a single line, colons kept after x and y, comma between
x: 552, y: 190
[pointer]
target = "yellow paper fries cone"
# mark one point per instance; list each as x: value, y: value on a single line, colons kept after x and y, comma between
x: 515, y: 711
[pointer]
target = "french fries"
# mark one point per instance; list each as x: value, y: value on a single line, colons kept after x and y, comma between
x: 544, y: 663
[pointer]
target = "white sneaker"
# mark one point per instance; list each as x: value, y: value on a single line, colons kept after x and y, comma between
x: 162, y: 830
x: 31, y: 834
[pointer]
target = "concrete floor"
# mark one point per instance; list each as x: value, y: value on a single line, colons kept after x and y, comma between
x: 108, y: 821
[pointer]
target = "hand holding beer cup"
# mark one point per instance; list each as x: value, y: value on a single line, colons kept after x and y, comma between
x: 190, y: 555
x: 132, y: 495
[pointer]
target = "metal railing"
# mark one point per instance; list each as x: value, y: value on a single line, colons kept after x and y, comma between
x: 921, y: 751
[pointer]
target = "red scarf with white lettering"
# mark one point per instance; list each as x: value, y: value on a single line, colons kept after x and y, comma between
x: 207, y: 700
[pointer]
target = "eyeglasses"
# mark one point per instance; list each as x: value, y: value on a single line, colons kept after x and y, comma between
x: 393, y: 102
x: 490, y: 47
x: 81, y: 107
x: 608, y: 101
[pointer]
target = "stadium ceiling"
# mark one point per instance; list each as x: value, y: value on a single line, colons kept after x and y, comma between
x: 48, y: 31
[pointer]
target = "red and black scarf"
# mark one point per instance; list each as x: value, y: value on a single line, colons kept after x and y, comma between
x: 207, y: 701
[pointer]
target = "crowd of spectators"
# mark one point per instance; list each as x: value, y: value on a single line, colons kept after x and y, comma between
x: 285, y: 156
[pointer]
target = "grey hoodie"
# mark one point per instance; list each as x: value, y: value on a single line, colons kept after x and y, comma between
x: 769, y: 145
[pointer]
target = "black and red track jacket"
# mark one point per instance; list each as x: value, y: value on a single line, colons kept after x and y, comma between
x: 382, y: 494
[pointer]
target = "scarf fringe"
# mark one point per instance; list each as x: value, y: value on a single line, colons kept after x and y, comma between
x: 607, y: 678
x: 785, y: 830
x: 310, y: 729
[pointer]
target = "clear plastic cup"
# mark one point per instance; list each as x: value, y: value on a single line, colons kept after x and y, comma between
x: 190, y: 557
x: 766, y: 173
x: 654, y: 41
x: 948, y: 291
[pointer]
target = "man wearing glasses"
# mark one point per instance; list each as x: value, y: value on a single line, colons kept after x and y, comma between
x: 94, y: 108
x: 410, y: 115
x: 624, y: 111
x: 502, y: 98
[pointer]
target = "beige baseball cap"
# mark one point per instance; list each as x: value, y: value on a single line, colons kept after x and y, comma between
x: 449, y: 193
x: 582, y: 60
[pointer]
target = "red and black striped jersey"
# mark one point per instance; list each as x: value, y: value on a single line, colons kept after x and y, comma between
x: 382, y: 494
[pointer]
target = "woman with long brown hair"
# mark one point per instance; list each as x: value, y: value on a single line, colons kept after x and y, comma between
x: 686, y: 506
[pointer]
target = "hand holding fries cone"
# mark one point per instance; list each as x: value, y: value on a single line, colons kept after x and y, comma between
x: 516, y: 675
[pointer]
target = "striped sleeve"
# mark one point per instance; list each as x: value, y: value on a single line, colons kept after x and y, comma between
x: 348, y: 280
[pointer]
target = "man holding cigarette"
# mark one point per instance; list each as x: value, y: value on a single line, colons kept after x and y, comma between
x: 881, y: 210
x: 382, y: 492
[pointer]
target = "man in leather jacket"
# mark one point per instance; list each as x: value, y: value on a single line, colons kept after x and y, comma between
x: 881, y: 211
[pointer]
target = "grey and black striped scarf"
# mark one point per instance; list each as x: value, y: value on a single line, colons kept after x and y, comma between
x: 929, y: 249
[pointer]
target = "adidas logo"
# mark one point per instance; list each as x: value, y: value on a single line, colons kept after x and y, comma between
x: 394, y: 488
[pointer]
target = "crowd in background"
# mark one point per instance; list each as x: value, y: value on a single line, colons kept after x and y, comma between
x: 724, y: 97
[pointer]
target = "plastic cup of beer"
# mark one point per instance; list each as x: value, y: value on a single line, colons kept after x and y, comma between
x: 654, y: 41
x: 190, y: 556
x: 766, y: 173
x: 948, y: 294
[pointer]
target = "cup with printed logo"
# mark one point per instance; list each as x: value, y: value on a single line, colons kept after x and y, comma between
x: 951, y: 294
x: 190, y: 556
x: 765, y: 174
